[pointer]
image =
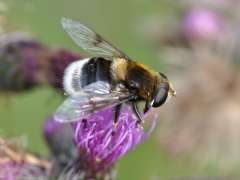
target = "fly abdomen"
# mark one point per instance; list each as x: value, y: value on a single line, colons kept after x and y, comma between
x: 84, y: 72
x: 96, y: 69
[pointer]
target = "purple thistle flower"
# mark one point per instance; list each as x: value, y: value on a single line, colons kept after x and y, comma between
x: 57, y: 63
x: 26, y: 63
x: 99, y: 147
x: 21, y: 171
x: 20, y: 58
x: 202, y: 24
x: 18, y: 164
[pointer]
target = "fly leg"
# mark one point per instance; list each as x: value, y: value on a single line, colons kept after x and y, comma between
x: 116, y: 116
x: 116, y: 113
x: 137, y: 113
x: 146, y: 108
x: 84, y: 121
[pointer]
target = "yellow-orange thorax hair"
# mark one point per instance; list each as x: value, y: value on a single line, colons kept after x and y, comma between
x: 137, y: 76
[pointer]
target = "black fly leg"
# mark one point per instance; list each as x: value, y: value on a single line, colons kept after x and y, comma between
x: 84, y: 121
x: 117, y: 112
x: 146, y: 108
x: 116, y: 115
x: 137, y: 113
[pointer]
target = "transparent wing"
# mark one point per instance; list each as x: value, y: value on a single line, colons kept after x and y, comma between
x: 87, y: 102
x: 99, y: 87
x: 90, y: 40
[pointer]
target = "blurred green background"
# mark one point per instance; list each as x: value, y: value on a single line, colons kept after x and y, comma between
x: 118, y: 21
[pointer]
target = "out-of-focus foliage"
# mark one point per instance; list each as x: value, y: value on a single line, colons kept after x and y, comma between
x: 203, y: 57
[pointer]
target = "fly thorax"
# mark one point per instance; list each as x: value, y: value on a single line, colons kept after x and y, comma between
x: 119, y: 69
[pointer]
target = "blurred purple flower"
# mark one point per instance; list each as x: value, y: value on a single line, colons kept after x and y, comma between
x: 25, y: 63
x: 202, y: 24
x: 21, y: 171
x: 57, y: 63
x: 18, y: 164
x: 99, y: 147
x: 20, y: 58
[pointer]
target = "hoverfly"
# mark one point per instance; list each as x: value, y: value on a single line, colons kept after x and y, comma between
x: 108, y: 80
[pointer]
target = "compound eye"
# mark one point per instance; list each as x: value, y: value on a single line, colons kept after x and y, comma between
x: 160, y: 97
